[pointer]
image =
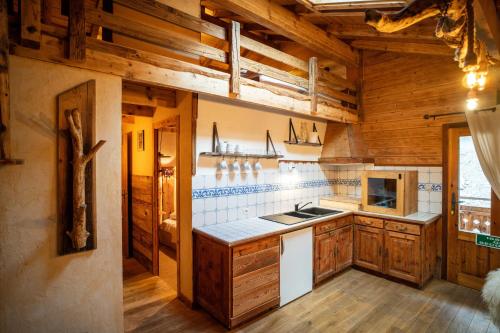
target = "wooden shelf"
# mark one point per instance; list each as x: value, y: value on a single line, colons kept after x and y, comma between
x: 303, y: 143
x: 11, y: 162
x: 240, y: 155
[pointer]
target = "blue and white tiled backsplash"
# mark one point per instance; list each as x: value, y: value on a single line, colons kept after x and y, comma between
x: 221, y: 198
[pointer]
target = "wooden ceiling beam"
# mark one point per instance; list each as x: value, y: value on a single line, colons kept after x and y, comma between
x: 403, y: 47
x: 361, y: 5
x: 138, y: 110
x: 487, y: 26
x: 362, y: 31
x: 298, y: 29
x: 148, y: 96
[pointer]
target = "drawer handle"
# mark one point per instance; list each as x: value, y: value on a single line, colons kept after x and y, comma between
x: 402, y: 228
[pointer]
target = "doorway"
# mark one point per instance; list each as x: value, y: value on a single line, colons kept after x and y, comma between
x: 469, y: 201
x: 166, y: 138
x: 150, y: 172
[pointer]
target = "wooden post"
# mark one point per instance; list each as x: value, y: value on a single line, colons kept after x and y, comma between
x: 313, y: 83
x: 234, y: 58
x: 76, y: 27
x: 30, y: 15
x: 4, y: 83
x: 355, y: 75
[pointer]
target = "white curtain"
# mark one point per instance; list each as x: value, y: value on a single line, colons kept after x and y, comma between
x: 485, y: 130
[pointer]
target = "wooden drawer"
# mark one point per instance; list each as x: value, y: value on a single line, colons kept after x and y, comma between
x: 402, y: 227
x: 332, y: 225
x: 247, y: 301
x: 253, y: 280
x: 369, y: 221
x: 260, y: 245
x: 255, y: 260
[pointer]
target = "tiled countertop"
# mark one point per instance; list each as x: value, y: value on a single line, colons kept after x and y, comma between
x: 242, y: 231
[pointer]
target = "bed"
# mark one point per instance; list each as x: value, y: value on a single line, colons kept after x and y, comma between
x: 168, y: 232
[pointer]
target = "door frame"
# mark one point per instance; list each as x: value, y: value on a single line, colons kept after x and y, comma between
x: 444, y: 200
x: 494, y: 255
x: 156, y: 160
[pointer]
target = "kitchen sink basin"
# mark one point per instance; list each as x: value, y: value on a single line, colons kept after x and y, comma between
x: 303, y: 215
x: 319, y: 211
x: 299, y: 215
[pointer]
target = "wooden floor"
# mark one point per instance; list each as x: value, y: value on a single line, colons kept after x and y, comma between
x: 352, y: 302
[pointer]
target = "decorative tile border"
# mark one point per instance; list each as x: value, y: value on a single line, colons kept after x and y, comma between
x: 430, y: 187
x: 216, y: 192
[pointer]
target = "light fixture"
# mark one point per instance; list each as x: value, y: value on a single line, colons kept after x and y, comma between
x: 470, y: 79
x: 472, y: 101
x: 164, y: 159
x: 481, y: 81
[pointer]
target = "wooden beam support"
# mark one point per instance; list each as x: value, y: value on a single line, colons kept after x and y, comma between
x: 361, y: 5
x: 402, y: 47
x: 164, y: 38
x: 287, y: 23
x: 487, y: 26
x: 273, y: 72
x: 172, y: 15
x: 313, y: 83
x: 76, y: 29
x: 148, y: 96
x: 363, y: 31
x: 31, y: 13
x: 138, y: 110
x: 5, y: 153
x: 234, y: 58
x: 274, y: 54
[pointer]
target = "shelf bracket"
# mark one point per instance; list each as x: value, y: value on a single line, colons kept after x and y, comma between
x: 316, y: 130
x: 291, y: 130
x: 215, y: 138
x: 269, y: 142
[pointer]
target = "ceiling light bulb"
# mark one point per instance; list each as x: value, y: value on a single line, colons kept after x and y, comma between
x: 472, y: 103
x: 481, y: 81
x: 470, y: 79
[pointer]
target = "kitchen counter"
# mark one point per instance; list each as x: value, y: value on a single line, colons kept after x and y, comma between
x: 242, y: 231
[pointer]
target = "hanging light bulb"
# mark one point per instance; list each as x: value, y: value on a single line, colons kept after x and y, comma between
x: 470, y: 79
x: 472, y: 101
x: 481, y: 81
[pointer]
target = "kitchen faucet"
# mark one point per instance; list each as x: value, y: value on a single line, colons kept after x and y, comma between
x: 297, y: 208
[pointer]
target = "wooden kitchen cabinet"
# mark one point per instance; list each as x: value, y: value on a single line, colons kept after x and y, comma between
x: 344, y: 248
x: 403, y: 250
x: 332, y: 248
x: 368, y: 247
x: 402, y: 256
x: 235, y: 284
x: 324, y: 256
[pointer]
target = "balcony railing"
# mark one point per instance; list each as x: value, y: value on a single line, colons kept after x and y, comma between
x: 475, y: 219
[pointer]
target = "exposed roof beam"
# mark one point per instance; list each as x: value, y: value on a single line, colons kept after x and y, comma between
x: 285, y: 22
x: 402, y: 47
x: 364, y: 31
x: 361, y: 5
x: 487, y: 26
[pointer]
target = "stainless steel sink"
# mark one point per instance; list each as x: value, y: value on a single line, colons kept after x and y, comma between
x: 303, y: 215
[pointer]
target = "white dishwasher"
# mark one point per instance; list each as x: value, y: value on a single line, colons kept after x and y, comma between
x: 296, y: 265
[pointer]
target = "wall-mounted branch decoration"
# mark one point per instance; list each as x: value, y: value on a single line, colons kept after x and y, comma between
x: 76, y: 177
x: 79, y: 233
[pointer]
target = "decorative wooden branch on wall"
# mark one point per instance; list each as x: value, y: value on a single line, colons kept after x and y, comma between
x: 76, y: 180
x: 455, y: 27
x: 79, y: 233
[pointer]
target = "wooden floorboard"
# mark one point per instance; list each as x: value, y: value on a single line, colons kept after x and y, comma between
x: 354, y: 301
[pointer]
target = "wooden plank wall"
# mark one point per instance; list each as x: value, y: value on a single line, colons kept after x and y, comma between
x: 142, y: 219
x: 398, y: 89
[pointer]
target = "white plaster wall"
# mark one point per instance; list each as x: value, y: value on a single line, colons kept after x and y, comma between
x: 246, y: 125
x: 39, y: 290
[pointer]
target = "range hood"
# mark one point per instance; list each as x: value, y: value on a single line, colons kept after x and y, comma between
x: 344, y: 144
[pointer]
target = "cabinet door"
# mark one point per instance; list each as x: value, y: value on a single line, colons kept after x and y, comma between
x: 368, y: 247
x: 343, y: 251
x: 324, y: 258
x: 402, y: 256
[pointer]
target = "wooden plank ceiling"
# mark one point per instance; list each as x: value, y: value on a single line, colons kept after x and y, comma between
x: 342, y: 21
